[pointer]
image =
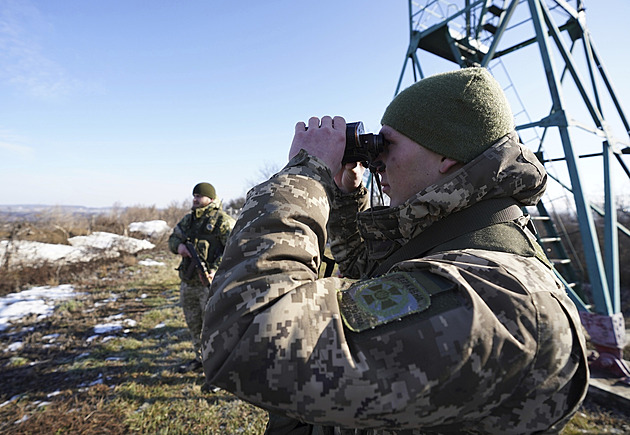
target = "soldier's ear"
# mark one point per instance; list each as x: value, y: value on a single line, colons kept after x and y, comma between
x: 447, y: 164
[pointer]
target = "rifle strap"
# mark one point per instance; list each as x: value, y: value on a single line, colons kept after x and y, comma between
x: 473, y: 218
x: 330, y: 266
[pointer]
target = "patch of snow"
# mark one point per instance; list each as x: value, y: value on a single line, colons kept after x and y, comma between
x: 12, y: 399
x: 114, y: 323
x: 37, y: 300
x: 99, y: 380
x: 150, y: 262
x: 13, y: 347
x: 154, y: 228
x: 82, y: 249
x: 109, y: 241
x: 42, y: 300
x: 21, y: 420
x: 26, y: 253
x: 107, y: 327
x: 112, y: 298
x: 145, y: 406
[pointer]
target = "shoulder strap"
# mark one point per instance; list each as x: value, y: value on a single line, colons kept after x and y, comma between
x: 475, y: 217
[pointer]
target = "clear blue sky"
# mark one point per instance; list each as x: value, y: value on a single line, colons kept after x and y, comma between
x: 133, y: 102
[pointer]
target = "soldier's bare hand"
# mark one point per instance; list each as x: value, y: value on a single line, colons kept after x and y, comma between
x: 183, y: 251
x: 350, y: 177
x: 325, y: 140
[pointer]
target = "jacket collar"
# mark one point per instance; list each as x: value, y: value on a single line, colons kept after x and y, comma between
x: 203, y: 211
x: 506, y: 169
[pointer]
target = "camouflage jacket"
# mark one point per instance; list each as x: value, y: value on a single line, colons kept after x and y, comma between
x: 208, y: 228
x: 469, y: 340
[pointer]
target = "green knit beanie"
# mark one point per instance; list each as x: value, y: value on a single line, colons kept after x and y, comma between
x: 456, y: 114
x: 205, y: 189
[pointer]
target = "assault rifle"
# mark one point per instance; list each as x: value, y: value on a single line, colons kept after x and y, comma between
x: 198, y: 265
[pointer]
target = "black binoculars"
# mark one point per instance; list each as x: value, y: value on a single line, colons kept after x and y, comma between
x: 360, y: 146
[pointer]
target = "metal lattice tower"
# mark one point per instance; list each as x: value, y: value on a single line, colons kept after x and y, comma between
x: 559, y: 112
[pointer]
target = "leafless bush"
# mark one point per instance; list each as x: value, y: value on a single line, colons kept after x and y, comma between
x: 53, y: 225
x: 572, y: 228
x: 175, y: 211
x: 117, y: 220
x: 237, y: 203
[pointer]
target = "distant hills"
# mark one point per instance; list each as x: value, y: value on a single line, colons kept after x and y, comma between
x: 25, y: 210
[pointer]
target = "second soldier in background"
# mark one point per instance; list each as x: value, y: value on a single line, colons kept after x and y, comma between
x: 200, y: 239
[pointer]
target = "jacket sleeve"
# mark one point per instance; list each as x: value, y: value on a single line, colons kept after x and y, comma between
x: 346, y: 243
x: 274, y: 334
x: 226, y: 224
x: 179, y: 234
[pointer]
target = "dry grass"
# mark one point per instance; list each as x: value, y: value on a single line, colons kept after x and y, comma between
x: 55, y: 225
x: 68, y: 379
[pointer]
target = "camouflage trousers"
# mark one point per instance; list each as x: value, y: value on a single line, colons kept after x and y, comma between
x: 193, y: 299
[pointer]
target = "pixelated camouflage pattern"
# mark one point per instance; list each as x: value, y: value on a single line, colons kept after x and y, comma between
x: 208, y: 228
x: 507, y: 357
x: 193, y: 298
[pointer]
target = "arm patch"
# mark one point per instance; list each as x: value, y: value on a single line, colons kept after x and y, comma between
x: 378, y: 301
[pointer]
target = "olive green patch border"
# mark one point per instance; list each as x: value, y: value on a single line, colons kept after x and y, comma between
x: 378, y: 301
